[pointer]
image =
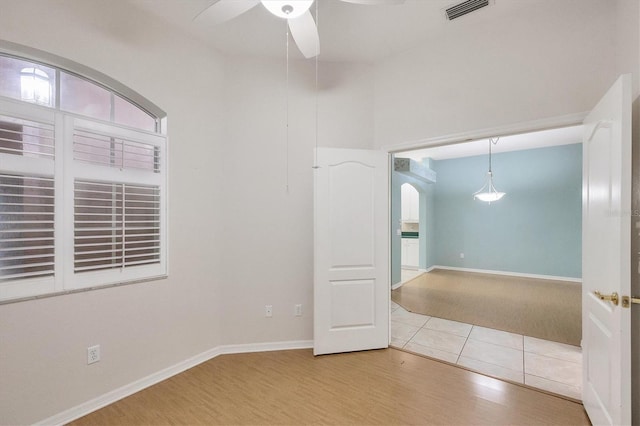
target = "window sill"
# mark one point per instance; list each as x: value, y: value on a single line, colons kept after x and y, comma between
x: 81, y: 290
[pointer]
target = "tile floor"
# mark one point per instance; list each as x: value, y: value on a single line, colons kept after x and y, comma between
x: 547, y: 365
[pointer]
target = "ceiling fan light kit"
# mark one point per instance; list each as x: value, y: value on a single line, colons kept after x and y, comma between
x: 300, y: 21
x: 287, y: 9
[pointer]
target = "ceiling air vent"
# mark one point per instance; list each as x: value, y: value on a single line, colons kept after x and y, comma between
x: 465, y: 7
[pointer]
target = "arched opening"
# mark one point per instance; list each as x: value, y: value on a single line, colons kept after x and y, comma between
x: 410, y: 231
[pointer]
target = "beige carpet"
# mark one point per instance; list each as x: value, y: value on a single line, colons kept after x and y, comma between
x: 550, y: 310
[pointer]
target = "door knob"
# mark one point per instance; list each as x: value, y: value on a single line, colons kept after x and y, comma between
x: 613, y: 297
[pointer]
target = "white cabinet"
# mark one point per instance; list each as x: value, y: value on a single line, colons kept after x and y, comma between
x: 410, y: 203
x: 410, y: 249
x: 410, y: 257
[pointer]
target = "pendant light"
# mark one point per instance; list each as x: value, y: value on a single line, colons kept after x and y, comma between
x: 488, y: 192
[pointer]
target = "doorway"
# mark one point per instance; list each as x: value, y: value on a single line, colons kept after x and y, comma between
x: 471, y: 242
x: 410, y: 232
x: 607, y: 182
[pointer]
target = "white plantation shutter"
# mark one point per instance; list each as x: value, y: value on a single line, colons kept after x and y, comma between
x: 82, y: 202
x: 99, y: 149
x: 26, y: 227
x: 27, y: 200
x: 116, y: 225
x: 26, y: 138
x: 118, y: 204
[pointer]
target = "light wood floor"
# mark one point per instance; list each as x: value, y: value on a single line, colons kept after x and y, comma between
x: 374, y: 387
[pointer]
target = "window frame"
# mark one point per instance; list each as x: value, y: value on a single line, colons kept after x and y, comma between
x: 65, y: 170
x: 98, y: 78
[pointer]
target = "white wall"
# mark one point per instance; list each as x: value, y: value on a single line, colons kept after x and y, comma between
x: 481, y: 73
x: 141, y: 328
x: 238, y: 239
x: 227, y: 171
x: 268, y: 249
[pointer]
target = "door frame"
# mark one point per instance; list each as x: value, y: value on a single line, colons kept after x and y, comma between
x: 490, y: 132
x: 457, y: 138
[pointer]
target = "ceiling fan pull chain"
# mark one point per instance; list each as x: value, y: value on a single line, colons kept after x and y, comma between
x: 287, y: 109
x: 315, y: 154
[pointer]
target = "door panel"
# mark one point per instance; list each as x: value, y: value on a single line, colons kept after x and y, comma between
x: 352, y: 304
x: 352, y: 226
x: 606, y: 257
x: 351, y: 256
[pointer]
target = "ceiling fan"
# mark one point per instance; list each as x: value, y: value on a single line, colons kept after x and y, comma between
x: 301, y: 24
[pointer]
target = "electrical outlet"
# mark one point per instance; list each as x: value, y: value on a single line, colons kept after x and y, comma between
x: 268, y: 311
x: 461, y: 255
x: 93, y: 354
x: 297, y: 311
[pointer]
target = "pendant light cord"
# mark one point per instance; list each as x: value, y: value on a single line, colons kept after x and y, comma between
x: 489, y: 156
x: 491, y: 142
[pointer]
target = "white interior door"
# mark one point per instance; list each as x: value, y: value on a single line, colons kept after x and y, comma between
x: 351, y: 256
x: 606, y: 257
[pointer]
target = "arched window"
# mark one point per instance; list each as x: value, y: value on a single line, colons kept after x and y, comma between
x: 82, y: 178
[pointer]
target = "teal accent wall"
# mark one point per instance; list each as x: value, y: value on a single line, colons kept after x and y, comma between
x: 536, y: 228
x: 427, y: 227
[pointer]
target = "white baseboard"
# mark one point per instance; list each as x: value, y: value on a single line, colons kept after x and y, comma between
x: 131, y: 388
x: 266, y: 347
x: 401, y: 283
x: 511, y: 274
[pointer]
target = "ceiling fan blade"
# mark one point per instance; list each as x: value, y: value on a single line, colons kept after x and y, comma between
x: 305, y: 34
x: 224, y: 10
x: 374, y: 2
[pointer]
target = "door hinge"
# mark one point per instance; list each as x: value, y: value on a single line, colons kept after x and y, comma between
x: 627, y: 301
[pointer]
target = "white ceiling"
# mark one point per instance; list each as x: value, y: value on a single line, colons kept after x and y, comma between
x: 366, y: 34
x: 348, y: 32
x: 541, y: 139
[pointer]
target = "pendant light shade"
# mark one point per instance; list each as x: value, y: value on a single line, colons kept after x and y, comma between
x: 488, y: 192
